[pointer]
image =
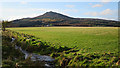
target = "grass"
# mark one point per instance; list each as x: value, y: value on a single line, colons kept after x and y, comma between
x: 68, y: 56
x: 93, y: 39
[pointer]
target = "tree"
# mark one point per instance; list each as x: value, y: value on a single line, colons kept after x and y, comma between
x: 51, y: 25
x: 4, y: 24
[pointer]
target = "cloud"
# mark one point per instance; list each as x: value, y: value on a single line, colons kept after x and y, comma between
x: 91, y: 13
x: 97, y: 5
x: 102, y: 13
x: 71, y: 10
x: 70, y: 6
x: 90, y: 3
x: 106, y: 0
x: 106, y: 12
x: 23, y: 2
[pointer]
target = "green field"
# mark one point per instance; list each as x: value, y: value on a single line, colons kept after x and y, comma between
x: 93, y: 39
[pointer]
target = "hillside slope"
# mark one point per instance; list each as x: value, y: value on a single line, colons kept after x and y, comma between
x: 57, y: 19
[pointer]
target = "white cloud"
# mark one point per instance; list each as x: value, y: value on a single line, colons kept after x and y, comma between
x: 97, y: 5
x: 102, y: 13
x: 56, y: 0
x: 106, y: 12
x: 71, y: 10
x: 91, y: 13
x: 70, y: 6
x: 23, y: 2
x: 90, y: 3
x: 106, y: 0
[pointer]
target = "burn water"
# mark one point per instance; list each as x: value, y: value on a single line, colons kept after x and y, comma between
x: 47, y: 60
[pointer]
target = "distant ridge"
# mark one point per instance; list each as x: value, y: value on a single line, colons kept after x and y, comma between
x: 56, y: 19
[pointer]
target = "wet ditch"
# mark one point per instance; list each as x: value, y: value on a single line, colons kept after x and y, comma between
x: 46, y: 61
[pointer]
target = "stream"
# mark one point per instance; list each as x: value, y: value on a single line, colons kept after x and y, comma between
x: 35, y: 57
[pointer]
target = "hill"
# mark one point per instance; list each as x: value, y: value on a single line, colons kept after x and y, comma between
x: 57, y: 19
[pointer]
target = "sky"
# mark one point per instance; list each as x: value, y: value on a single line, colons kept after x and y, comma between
x: 23, y: 9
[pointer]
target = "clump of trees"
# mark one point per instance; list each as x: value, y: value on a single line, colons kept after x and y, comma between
x: 4, y: 24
